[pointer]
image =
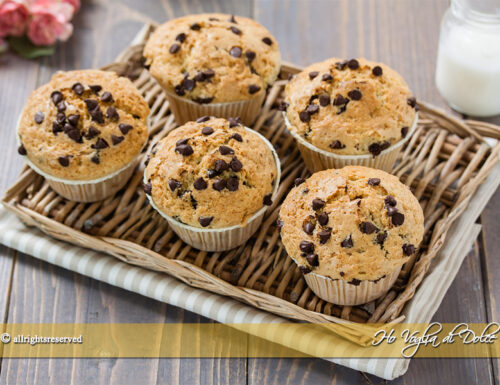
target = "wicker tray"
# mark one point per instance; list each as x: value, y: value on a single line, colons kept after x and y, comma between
x: 444, y: 163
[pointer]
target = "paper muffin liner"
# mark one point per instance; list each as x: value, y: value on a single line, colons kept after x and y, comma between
x: 340, y: 292
x: 317, y: 159
x: 226, y: 238
x: 186, y: 110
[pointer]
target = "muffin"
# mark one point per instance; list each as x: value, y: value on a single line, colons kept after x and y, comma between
x: 350, y: 231
x: 83, y: 132
x: 212, y: 180
x: 352, y: 112
x: 213, y: 64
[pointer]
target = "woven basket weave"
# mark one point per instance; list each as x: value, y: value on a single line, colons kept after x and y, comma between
x: 444, y: 163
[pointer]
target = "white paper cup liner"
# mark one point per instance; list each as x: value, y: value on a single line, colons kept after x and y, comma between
x: 186, y: 110
x: 317, y: 159
x: 341, y: 292
x: 226, y: 238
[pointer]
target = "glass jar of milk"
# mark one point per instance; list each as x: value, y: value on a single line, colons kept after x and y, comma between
x: 468, y: 62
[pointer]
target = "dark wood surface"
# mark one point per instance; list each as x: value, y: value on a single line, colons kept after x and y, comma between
x: 402, y: 33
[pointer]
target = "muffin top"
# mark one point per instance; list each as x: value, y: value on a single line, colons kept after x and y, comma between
x: 349, y: 107
x: 213, y: 57
x: 354, y: 223
x: 211, y: 173
x: 83, y: 125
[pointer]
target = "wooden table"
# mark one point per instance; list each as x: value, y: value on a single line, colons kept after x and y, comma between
x: 401, y: 33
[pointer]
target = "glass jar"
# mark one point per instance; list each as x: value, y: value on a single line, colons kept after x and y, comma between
x: 468, y: 61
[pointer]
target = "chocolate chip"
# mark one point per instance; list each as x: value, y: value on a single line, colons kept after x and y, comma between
x: 39, y: 116
x: 95, y: 158
x: 391, y: 211
x: 384, y: 145
x: 232, y: 183
x: 308, y: 227
x: 235, y: 164
x: 148, y: 187
x: 125, y: 128
x: 353, y: 64
x: 317, y: 204
x: 298, y: 181
x: 208, y: 73
x: 355, y: 282
x: 211, y: 174
x: 56, y: 127
x: 312, y: 259
x: 77, y: 88
x: 337, y: 145
x: 61, y: 106
x: 327, y: 78
x: 56, y: 97
x: 179, y: 90
x: 341, y: 273
x: 174, y: 48
x: 202, y: 119
x: 73, y: 119
x: 398, y: 219
x: 341, y: 65
x: 324, y: 100
x: 374, y: 181
x: 237, y: 137
x: 73, y: 133
x: 377, y: 71
x: 306, y: 246
x: 381, y: 237
x: 375, y: 149
x: 408, y: 249
x: 404, y: 131
x: 207, y: 130
x: 181, y: 37
x: 92, y: 133
x: 184, y: 149
x: 250, y: 56
x: 340, y: 100
x: 323, y: 219
x: 220, y: 166
x: 61, y: 118
x: 233, y: 122
x: 253, y: 88
x: 92, y: 104
x: 268, y: 201
x: 21, y: 150
x: 304, y: 270
x: 312, y: 109
x: 267, y: 40
x: 390, y: 201
x: 235, y: 30
x: 64, y: 160
x: 117, y: 139
x: 313, y: 74
x: 232, y: 19
x: 304, y: 116
x: 199, y: 77
x: 347, y: 242
x: 100, y: 144
x: 174, y: 184
x: 195, y: 27
x: 355, y: 94
x: 97, y: 115
x: 412, y: 101
x: 367, y: 227
x: 225, y: 150
x: 205, y: 221
x: 235, y: 52
x: 188, y: 84
x: 112, y: 114
x: 182, y: 141
x: 324, y: 236
x: 95, y: 88
x: 200, y: 184
x: 219, y: 184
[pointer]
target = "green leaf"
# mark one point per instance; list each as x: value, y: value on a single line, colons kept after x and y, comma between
x: 25, y: 48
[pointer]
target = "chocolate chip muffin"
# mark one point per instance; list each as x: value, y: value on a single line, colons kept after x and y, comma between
x: 351, y: 226
x: 83, y: 125
x: 349, y: 108
x: 213, y: 173
x: 213, y: 59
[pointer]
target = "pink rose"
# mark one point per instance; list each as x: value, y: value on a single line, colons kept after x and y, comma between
x: 50, y: 22
x: 74, y: 3
x: 14, y: 18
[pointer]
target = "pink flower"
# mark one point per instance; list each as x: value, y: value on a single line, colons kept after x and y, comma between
x: 14, y: 17
x: 74, y: 3
x: 50, y: 22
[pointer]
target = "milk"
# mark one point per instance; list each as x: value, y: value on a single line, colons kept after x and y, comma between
x: 468, y: 69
